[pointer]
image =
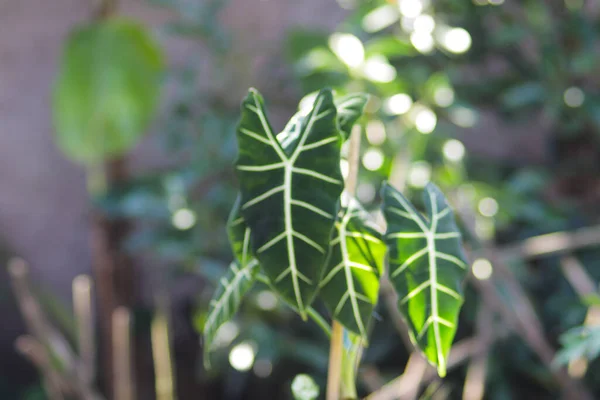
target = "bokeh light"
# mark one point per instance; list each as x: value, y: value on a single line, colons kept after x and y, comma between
x: 398, y: 104
x: 425, y: 121
x: 348, y: 48
x: 456, y: 40
x: 263, y: 368
x: 443, y: 96
x: 463, y: 117
x: 376, y: 132
x: 488, y: 207
x: 410, y: 8
x: 241, y: 357
x: 419, y: 174
x: 482, y: 269
x: 574, y: 97
x: 380, y: 18
x: 366, y: 192
x: 373, y: 159
x: 266, y: 300
x: 454, y: 150
x: 378, y: 69
x: 422, y: 41
x: 183, y: 219
x: 424, y: 23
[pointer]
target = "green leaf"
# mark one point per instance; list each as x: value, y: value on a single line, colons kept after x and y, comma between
x: 426, y: 266
x: 226, y: 300
x: 351, y: 282
x: 239, y: 235
x: 107, y: 89
x: 290, y: 197
x: 304, y: 388
x: 349, y: 109
x: 390, y: 47
x: 353, y: 349
x: 579, y: 342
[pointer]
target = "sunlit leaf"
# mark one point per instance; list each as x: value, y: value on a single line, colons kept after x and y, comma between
x: 349, y: 109
x: 351, y: 282
x: 426, y: 266
x: 107, y: 89
x: 289, y: 197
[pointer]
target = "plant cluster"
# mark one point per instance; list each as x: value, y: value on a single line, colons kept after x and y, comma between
x: 295, y: 229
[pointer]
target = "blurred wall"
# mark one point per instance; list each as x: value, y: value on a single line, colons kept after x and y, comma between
x: 43, y: 202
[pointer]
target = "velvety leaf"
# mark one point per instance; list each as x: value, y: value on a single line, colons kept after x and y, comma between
x: 290, y: 197
x: 107, y: 89
x: 226, y: 300
x: 426, y: 266
x: 349, y: 109
x: 351, y: 282
x: 239, y: 235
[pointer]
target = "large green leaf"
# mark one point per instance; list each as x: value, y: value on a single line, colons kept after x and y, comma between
x: 351, y: 283
x: 290, y: 198
x: 107, y: 89
x: 426, y: 266
x: 226, y: 300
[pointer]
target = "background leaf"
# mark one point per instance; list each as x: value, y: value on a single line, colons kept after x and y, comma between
x: 226, y: 300
x: 107, y: 89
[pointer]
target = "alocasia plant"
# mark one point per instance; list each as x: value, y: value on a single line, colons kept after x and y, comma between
x: 295, y: 230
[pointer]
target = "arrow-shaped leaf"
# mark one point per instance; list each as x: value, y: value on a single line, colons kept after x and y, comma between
x: 226, y: 300
x: 238, y: 280
x: 426, y: 266
x: 289, y: 198
x: 351, y: 282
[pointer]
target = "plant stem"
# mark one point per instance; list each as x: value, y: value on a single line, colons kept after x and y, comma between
x: 122, y: 368
x: 335, y: 362
x: 161, y: 351
x: 334, y: 378
x: 84, y: 318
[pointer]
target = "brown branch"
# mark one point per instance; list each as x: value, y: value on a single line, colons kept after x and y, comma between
x: 121, y: 346
x: 551, y: 243
x: 48, y: 336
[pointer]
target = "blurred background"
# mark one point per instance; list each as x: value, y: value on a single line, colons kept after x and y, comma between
x: 117, y: 138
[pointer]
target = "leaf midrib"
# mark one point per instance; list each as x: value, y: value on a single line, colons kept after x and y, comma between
x: 431, y: 248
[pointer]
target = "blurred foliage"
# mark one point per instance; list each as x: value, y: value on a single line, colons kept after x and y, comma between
x: 107, y: 89
x: 435, y: 71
